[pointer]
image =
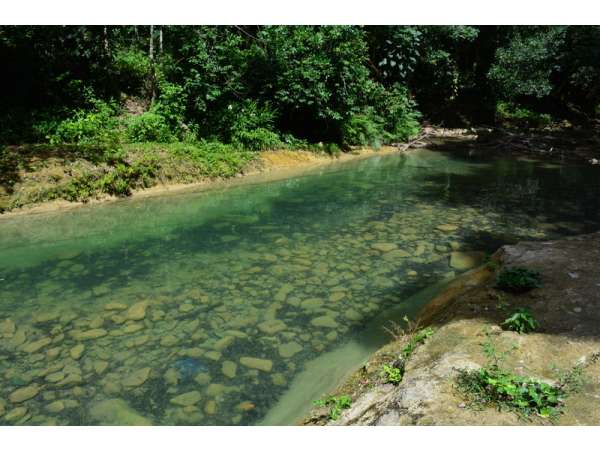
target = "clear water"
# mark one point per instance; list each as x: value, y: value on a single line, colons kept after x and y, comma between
x: 290, y: 272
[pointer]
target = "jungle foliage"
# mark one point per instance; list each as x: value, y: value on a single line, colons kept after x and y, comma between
x: 263, y: 87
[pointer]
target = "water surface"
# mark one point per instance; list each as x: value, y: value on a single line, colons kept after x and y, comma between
x: 204, y: 308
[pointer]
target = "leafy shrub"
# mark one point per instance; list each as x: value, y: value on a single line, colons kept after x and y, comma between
x: 518, y: 279
x: 215, y: 159
x: 521, y: 321
x: 494, y: 385
x: 365, y: 129
x: 257, y: 139
x: 171, y: 106
x: 148, y: 127
x: 96, y: 126
x: 133, y: 69
x: 519, y: 116
x: 401, y: 115
x: 336, y: 405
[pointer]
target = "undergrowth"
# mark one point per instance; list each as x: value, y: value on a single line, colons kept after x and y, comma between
x: 335, y: 404
x: 494, y: 385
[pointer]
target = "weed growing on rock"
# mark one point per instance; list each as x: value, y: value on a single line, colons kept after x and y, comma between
x: 493, y: 385
x: 518, y: 279
x: 335, y: 404
x: 393, y: 374
x: 521, y: 321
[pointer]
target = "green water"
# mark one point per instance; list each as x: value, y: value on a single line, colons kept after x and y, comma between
x: 297, y: 274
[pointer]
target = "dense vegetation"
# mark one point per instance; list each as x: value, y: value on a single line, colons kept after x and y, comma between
x: 259, y: 87
x: 212, y: 96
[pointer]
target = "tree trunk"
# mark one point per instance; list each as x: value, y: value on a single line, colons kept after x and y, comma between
x: 152, y: 81
x: 151, y: 49
x: 160, y: 41
x: 106, y: 46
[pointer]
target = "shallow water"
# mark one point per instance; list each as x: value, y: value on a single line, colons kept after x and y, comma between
x: 204, y: 308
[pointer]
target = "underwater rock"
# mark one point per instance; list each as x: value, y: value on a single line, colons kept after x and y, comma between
x: 137, y: 311
x: 384, y: 246
x: 311, y: 303
x: 187, y: 399
x: 395, y: 254
x: 89, y: 334
x: 466, y: 260
x: 246, y: 406
x: 229, y: 369
x: 33, y: 347
x: 185, y: 308
x: 224, y: 342
x: 45, y: 317
x: 290, y: 349
x: 100, y: 367
x: 114, y: 306
x: 214, y: 356
x: 202, y: 379
x: 168, y: 341
x: 210, y: 408
x: 447, y: 227
x: 337, y: 296
x: 264, y: 365
x: 325, y: 322
x: 272, y: 326
x: 55, y: 407
x: 136, y: 378
x: 116, y: 412
x: 15, y: 414
x: 7, y: 328
x: 77, y: 351
x: 25, y: 393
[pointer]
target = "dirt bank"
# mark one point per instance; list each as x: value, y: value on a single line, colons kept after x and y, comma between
x: 567, y: 308
x: 270, y: 165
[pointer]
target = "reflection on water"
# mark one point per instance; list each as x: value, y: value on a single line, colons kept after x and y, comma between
x: 202, y: 308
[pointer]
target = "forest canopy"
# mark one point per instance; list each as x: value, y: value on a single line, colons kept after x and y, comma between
x: 260, y: 87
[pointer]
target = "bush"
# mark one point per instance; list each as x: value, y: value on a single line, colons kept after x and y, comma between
x: 335, y: 404
x: 518, y: 279
x: 149, y: 127
x: 364, y: 129
x: 257, y: 139
x: 511, y: 115
x: 402, y: 118
x: 98, y: 126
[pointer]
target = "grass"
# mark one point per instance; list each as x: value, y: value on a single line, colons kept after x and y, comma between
x: 38, y: 173
x: 495, y: 386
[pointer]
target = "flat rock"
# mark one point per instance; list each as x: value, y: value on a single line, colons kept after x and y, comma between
x: 290, y: 349
x: 24, y: 393
x: 136, y: 378
x: 466, y: 260
x: 137, y: 311
x: 114, y: 306
x: 77, y: 351
x: 229, y: 369
x: 116, y: 412
x: 33, y: 347
x: 447, y: 227
x: 272, y: 326
x: 324, y: 322
x: 94, y: 333
x: 7, y: 328
x: 384, y: 246
x: 187, y: 399
x: 100, y: 367
x: 265, y: 365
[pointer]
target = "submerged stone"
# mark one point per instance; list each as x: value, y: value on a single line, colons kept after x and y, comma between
x: 272, y: 326
x: 466, y: 260
x: 187, y: 399
x: 264, y: 365
x: 188, y: 368
x: 229, y: 369
x: 116, y: 412
x: 137, y: 311
x: 325, y: 322
x: 137, y: 378
x: 290, y: 349
x: 447, y: 227
x: 25, y: 393
x: 384, y: 246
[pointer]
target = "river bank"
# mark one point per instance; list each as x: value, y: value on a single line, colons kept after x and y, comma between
x: 472, y: 309
x: 267, y: 166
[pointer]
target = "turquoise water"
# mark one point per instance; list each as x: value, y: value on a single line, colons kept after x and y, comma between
x: 203, y: 307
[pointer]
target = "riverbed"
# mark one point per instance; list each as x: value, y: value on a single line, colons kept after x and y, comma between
x: 218, y: 307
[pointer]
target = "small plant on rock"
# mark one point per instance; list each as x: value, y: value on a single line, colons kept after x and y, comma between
x: 521, y: 321
x: 393, y: 374
x: 518, y: 279
x: 335, y: 404
x: 493, y: 385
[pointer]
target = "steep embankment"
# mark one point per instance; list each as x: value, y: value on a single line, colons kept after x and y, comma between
x: 567, y: 307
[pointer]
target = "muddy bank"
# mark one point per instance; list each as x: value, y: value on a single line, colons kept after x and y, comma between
x: 269, y: 166
x: 567, y: 308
